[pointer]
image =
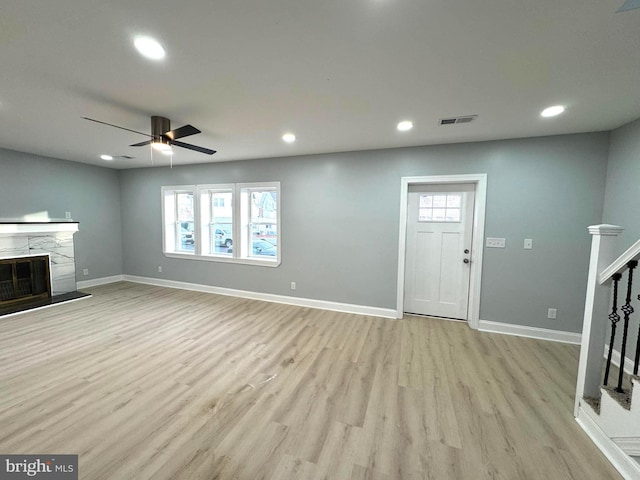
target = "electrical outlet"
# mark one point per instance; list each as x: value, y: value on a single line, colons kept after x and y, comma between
x: 496, y: 242
x: 528, y: 243
x: 293, y: 285
x: 67, y: 215
x: 85, y: 271
x: 552, y: 313
x: 159, y: 268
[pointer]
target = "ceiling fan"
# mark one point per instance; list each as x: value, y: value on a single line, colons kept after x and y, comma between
x: 162, y: 137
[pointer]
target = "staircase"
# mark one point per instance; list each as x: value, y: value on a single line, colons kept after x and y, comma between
x: 605, y: 406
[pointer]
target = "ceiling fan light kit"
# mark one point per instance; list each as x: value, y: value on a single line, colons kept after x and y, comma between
x: 161, y: 146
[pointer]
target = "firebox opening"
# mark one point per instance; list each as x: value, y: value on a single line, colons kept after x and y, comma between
x: 24, y: 279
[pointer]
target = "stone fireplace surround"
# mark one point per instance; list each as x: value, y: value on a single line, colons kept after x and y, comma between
x: 53, y: 238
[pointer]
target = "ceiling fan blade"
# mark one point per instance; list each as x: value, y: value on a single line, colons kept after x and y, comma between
x: 116, y: 126
x: 193, y: 147
x: 141, y: 144
x: 182, y: 132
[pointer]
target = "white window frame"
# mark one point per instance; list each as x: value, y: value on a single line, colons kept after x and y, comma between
x: 446, y: 208
x: 205, y: 191
x: 239, y: 232
x: 240, y: 253
x: 170, y: 192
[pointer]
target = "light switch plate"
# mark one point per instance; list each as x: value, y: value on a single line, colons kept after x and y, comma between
x: 528, y: 243
x: 496, y: 242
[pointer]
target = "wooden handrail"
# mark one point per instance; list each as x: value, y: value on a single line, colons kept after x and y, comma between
x: 619, y: 265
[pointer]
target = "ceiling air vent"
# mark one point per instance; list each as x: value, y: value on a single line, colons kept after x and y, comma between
x: 456, y: 120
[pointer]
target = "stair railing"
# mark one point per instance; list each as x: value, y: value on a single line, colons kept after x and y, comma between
x: 627, y: 262
x: 606, y: 282
x: 614, y: 317
x: 601, y: 281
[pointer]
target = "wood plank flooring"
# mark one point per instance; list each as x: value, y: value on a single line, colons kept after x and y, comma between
x: 145, y: 382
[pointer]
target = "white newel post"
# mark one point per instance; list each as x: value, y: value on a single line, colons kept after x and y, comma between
x: 596, y: 304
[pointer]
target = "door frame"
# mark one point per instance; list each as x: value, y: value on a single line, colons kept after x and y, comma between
x: 479, y: 207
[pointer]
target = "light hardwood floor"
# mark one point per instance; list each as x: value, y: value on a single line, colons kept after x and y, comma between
x: 152, y: 383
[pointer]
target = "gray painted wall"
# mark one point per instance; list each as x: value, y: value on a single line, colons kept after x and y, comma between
x: 31, y: 184
x: 622, y: 199
x: 622, y: 196
x: 340, y: 221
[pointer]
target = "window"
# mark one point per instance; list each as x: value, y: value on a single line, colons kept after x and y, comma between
x: 223, y: 222
x: 216, y: 219
x: 259, y: 217
x: 440, y: 207
x: 179, y: 220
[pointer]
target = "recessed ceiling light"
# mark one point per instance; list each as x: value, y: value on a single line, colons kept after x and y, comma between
x: 405, y: 125
x: 552, y: 111
x: 106, y: 157
x: 149, y: 47
x: 289, y: 137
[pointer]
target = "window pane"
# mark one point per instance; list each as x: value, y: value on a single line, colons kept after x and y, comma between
x: 426, y: 200
x: 264, y: 223
x: 453, y: 215
x: 425, y: 215
x: 439, y: 201
x: 221, y: 223
x: 185, y: 222
x: 263, y: 248
x: 453, y: 200
x: 438, y: 214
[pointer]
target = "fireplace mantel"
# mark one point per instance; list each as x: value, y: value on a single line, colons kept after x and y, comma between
x: 10, y: 229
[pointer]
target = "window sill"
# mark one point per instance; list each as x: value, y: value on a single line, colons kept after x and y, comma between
x: 214, y: 258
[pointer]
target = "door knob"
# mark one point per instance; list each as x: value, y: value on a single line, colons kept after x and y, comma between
x: 466, y: 260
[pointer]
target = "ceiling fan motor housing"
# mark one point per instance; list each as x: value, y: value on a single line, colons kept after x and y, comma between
x: 159, y: 126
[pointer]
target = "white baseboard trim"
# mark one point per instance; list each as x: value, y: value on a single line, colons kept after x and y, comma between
x: 627, y: 467
x: 629, y: 445
x: 99, y: 281
x: 266, y: 297
x: 529, y: 332
x: 615, y: 359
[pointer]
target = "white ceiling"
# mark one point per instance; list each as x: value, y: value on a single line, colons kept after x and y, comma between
x: 339, y: 74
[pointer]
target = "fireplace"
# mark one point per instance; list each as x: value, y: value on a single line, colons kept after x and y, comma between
x: 37, y: 264
x: 24, y: 279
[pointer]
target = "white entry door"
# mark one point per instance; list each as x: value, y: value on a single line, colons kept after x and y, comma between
x: 438, y: 249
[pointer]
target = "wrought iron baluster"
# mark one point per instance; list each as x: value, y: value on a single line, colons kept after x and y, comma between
x: 615, y: 318
x: 627, y: 309
x: 635, y: 364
